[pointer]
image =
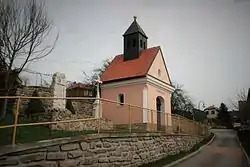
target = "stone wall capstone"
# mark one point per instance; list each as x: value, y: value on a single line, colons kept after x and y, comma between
x: 128, y: 150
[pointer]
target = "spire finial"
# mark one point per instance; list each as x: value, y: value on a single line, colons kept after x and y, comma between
x: 135, y: 18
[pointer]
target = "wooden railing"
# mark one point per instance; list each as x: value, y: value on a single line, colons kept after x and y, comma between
x: 131, y: 122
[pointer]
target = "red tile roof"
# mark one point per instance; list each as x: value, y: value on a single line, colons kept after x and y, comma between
x: 119, y: 69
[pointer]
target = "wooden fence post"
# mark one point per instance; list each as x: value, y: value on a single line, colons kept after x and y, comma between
x: 15, y: 122
x: 152, y: 121
x: 130, y: 122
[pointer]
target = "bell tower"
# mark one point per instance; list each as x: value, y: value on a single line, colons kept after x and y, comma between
x: 134, y: 41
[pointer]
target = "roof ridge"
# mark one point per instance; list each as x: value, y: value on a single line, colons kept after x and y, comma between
x: 120, y: 69
x: 134, y: 28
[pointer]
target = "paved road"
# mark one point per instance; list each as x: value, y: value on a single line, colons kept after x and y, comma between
x: 223, y: 152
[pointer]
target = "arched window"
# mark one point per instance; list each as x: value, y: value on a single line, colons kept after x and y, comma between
x: 121, y: 98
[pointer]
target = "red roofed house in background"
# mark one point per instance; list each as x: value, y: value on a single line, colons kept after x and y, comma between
x: 139, y: 77
x: 81, y: 90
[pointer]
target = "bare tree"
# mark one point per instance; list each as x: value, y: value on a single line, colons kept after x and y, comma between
x: 240, y: 96
x: 24, y: 27
x: 97, y: 72
x: 180, y: 100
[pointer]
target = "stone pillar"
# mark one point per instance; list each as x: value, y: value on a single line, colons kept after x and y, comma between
x: 59, y: 90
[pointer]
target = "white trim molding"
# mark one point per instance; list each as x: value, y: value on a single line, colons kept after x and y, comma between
x: 145, y: 80
x: 145, y: 105
x: 116, y: 84
x: 159, y: 83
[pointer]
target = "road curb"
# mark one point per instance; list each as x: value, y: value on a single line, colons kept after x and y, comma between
x: 191, y: 154
x: 242, y: 148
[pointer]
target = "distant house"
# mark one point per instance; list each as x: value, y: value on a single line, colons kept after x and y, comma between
x: 140, y: 77
x: 81, y: 90
x: 244, y: 109
x: 212, y: 112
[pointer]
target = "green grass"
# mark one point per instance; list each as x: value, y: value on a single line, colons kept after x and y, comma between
x: 27, y: 134
x: 36, y: 133
x: 172, y: 158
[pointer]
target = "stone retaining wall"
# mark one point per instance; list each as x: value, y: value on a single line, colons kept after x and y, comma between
x: 143, y: 127
x: 93, y: 124
x: 64, y: 114
x: 28, y: 91
x: 85, y: 106
x: 186, y: 126
x: 97, y: 150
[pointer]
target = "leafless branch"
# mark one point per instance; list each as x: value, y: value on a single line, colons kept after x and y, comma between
x: 240, y: 96
x: 24, y: 28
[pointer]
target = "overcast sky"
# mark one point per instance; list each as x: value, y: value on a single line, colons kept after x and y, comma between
x: 206, y: 43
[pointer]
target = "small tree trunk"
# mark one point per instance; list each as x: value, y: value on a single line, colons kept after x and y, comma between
x: 6, y: 93
x: 3, y: 109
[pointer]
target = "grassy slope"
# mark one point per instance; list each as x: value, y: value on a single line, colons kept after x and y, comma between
x: 32, y: 133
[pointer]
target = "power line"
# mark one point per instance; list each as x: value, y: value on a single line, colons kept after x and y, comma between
x: 42, y: 74
x: 35, y: 72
